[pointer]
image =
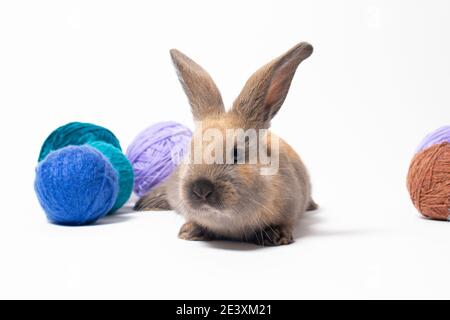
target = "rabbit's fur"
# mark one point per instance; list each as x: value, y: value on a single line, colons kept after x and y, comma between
x: 239, y: 203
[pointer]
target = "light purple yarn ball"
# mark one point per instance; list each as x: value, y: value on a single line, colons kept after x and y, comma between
x: 156, y: 152
x: 438, y: 136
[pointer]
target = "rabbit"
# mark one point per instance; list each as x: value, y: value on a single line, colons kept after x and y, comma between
x: 234, y: 201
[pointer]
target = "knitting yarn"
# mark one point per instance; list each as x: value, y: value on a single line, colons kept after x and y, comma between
x: 77, y: 133
x: 76, y: 185
x: 156, y: 152
x: 124, y: 170
x: 428, y: 178
x: 438, y: 136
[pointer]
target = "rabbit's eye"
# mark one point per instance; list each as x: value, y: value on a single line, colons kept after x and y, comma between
x: 236, y: 155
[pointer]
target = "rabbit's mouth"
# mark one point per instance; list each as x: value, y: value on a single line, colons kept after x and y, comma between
x: 206, y: 212
x: 209, y: 210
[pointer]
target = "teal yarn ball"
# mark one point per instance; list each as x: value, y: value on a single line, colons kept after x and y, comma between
x: 123, y: 167
x: 76, y: 185
x: 77, y: 133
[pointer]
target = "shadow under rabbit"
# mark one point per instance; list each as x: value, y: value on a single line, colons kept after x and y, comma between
x: 303, y: 228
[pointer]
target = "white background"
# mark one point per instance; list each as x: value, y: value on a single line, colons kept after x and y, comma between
x: 377, y: 82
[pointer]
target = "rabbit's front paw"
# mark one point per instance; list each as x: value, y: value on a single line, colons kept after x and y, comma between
x: 194, y: 232
x: 274, y: 236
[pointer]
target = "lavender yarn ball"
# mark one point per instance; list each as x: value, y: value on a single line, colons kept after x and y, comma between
x: 156, y: 152
x: 436, y: 137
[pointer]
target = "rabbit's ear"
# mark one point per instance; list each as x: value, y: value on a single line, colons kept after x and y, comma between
x: 265, y: 91
x: 203, y: 95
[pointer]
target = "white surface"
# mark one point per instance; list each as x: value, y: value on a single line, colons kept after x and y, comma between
x: 375, y: 85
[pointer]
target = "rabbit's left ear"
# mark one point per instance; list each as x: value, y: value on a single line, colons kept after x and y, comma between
x: 267, y: 88
x: 203, y: 95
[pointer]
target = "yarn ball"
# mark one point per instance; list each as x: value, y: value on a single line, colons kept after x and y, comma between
x: 77, y: 133
x: 438, y: 136
x: 429, y: 181
x: 76, y: 185
x: 124, y: 170
x: 156, y: 152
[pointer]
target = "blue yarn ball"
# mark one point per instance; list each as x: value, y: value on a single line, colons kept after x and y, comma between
x: 76, y: 185
x: 123, y: 168
x: 77, y: 133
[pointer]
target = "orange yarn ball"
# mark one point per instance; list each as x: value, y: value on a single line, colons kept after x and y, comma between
x: 429, y: 181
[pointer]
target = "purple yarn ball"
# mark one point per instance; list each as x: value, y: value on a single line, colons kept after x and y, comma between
x: 438, y: 136
x: 156, y: 152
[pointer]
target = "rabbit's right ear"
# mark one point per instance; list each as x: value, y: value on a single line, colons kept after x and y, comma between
x: 203, y: 95
x: 265, y: 91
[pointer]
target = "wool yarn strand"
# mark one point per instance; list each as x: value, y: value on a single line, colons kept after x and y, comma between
x: 156, y: 152
x: 428, y: 181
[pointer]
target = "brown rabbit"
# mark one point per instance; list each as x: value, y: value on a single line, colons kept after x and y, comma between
x: 235, y: 201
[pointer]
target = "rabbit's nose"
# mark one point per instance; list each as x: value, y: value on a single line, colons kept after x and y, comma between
x: 202, y: 189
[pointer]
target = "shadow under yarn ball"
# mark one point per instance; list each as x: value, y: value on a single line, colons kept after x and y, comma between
x: 76, y: 185
x: 124, y: 170
x: 77, y: 133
